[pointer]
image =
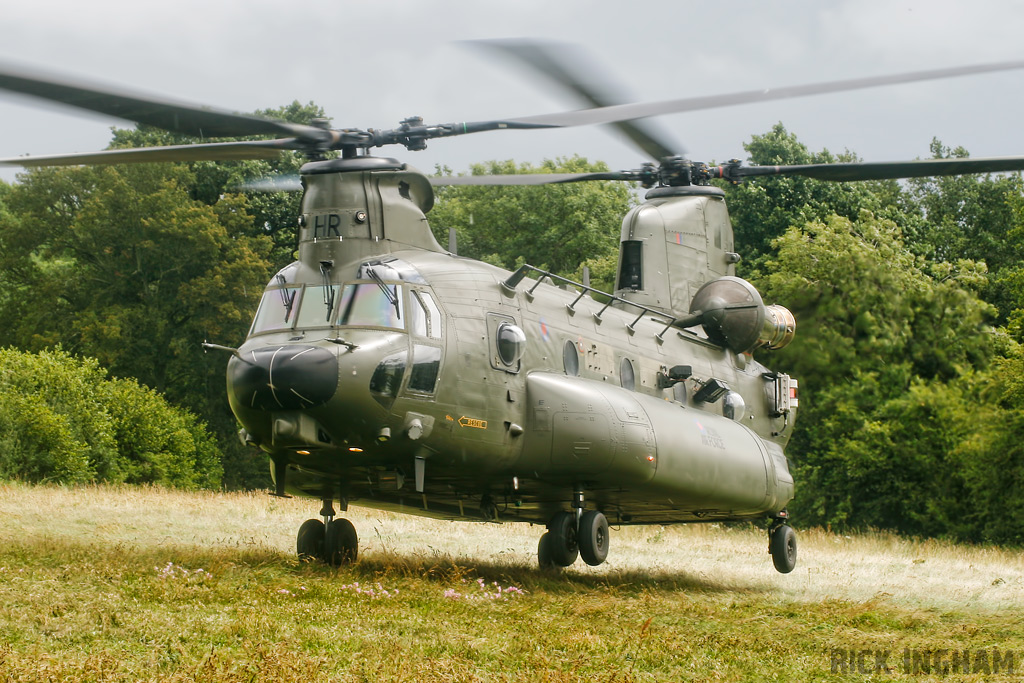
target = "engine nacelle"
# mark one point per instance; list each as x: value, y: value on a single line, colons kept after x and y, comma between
x: 733, y: 314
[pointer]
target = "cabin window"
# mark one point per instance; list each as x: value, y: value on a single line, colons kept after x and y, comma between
x: 734, y: 407
x: 318, y: 303
x: 627, y: 378
x: 507, y: 342
x: 371, y: 305
x: 571, y: 358
x: 277, y: 310
x: 511, y: 343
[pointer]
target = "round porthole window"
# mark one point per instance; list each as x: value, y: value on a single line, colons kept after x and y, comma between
x: 734, y: 408
x: 511, y: 343
x: 571, y: 359
x: 626, y: 377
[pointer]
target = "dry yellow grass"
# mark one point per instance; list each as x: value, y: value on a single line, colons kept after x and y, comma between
x: 876, y: 566
x: 104, y: 584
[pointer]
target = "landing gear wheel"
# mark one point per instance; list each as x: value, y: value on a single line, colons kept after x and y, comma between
x: 310, y: 542
x: 782, y: 546
x: 562, y: 544
x: 593, y: 537
x: 544, y: 558
x: 341, y: 545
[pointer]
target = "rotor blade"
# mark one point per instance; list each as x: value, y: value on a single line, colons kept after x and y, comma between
x: 880, y: 170
x: 214, y: 151
x: 277, y: 183
x: 152, y: 110
x: 626, y: 112
x: 569, y: 68
x: 531, y: 178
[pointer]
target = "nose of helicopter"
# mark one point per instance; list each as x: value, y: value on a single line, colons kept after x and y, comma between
x: 290, y: 377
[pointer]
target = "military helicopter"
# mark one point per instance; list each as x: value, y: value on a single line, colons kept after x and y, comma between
x: 384, y: 370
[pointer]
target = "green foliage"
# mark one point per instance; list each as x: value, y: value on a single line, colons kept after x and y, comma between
x: 762, y: 211
x: 120, y: 264
x: 62, y: 420
x: 273, y: 214
x: 900, y: 426
x: 555, y: 227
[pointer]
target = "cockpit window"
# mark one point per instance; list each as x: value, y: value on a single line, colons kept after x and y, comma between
x: 372, y: 305
x: 277, y: 310
x: 390, y: 269
x: 424, y: 316
x: 318, y: 303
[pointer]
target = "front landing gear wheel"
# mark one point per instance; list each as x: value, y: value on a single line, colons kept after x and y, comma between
x: 310, y: 541
x: 562, y: 530
x: 341, y: 545
x: 593, y: 537
x: 782, y: 546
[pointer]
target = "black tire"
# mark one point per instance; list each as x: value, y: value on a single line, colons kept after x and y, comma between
x: 341, y: 544
x: 310, y: 542
x: 593, y: 537
x: 564, y: 550
x: 782, y: 546
x: 544, y: 558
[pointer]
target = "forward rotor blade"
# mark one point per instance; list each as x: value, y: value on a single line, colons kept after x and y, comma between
x: 880, y: 170
x: 626, y: 112
x: 152, y: 110
x: 277, y: 183
x: 569, y: 68
x: 214, y: 151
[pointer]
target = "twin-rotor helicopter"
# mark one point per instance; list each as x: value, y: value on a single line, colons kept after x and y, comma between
x: 384, y: 370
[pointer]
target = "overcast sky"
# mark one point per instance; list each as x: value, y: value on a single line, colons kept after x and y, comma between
x: 371, y: 64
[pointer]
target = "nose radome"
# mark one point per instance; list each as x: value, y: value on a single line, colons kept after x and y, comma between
x: 291, y: 377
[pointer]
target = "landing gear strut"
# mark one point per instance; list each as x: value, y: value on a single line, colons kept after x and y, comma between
x: 333, y: 541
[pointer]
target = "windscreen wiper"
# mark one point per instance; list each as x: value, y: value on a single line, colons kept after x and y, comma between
x: 392, y: 296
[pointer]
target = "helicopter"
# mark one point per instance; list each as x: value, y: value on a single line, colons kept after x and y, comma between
x: 384, y: 370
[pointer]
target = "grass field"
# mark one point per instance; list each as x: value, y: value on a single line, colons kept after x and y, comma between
x: 126, y: 584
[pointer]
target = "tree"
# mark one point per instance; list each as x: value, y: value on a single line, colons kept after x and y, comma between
x: 120, y: 264
x: 273, y: 214
x: 555, y: 227
x: 763, y: 209
x: 62, y: 420
x: 885, y: 343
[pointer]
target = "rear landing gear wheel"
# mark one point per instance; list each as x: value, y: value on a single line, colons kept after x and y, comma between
x: 544, y: 558
x: 341, y: 544
x: 593, y: 537
x: 782, y: 546
x: 310, y: 542
x: 562, y: 541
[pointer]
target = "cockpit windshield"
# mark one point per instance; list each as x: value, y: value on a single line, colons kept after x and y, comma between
x: 318, y: 306
x: 372, y: 305
x: 277, y: 309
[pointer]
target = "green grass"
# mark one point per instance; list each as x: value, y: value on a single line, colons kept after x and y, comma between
x: 104, y: 584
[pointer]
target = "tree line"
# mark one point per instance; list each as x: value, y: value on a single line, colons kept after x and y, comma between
x: 909, y: 298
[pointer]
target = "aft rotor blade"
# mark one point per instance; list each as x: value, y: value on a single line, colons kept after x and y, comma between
x: 880, y: 170
x: 214, y: 151
x: 572, y: 70
x: 152, y: 110
x: 531, y: 178
x: 626, y: 112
